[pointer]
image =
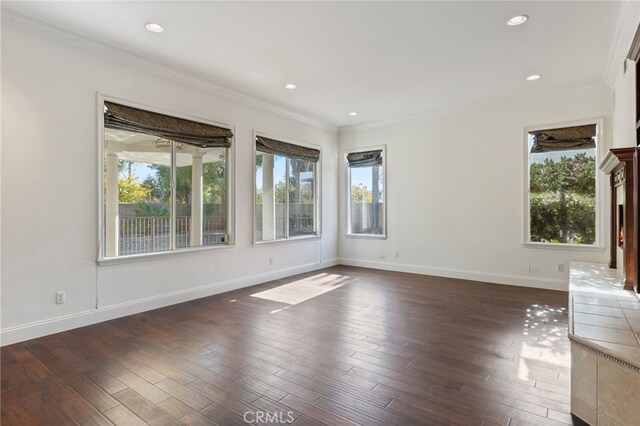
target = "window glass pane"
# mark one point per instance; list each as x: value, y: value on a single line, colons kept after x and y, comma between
x: 271, y: 197
x: 562, y: 196
x: 367, y: 208
x: 216, y: 202
x: 137, y: 194
x: 285, y: 197
x: 201, y: 203
x: 259, y: 204
x: 280, y: 194
x: 301, y: 197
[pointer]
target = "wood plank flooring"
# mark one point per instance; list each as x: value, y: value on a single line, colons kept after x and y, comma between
x: 371, y: 348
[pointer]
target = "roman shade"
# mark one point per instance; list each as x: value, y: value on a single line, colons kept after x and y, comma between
x: 365, y: 158
x: 121, y: 117
x: 275, y: 147
x: 564, y: 139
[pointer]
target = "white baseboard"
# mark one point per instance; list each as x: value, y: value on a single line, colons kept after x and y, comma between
x: 80, y: 319
x: 491, y: 277
x: 68, y: 322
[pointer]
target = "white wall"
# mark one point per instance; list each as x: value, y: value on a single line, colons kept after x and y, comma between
x: 623, y: 81
x: 49, y: 191
x: 455, y: 190
x: 624, y: 107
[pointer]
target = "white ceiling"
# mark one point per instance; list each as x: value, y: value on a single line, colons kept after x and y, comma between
x: 381, y: 59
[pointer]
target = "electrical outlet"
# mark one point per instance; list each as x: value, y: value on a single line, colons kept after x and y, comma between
x: 397, y: 253
x: 560, y: 267
x: 271, y: 261
x: 60, y: 297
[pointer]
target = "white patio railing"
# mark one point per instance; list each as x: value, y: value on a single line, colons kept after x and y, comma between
x: 139, y: 235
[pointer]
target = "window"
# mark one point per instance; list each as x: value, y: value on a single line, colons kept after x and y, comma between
x: 366, y: 208
x: 165, y: 183
x: 562, y: 185
x: 285, y: 190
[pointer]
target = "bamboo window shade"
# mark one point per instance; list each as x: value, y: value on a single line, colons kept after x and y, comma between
x: 564, y: 139
x: 276, y: 147
x: 365, y: 158
x: 121, y: 117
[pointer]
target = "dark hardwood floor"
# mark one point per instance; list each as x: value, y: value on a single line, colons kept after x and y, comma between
x: 375, y: 348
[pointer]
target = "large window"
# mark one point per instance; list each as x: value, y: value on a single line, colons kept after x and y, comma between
x: 366, y: 184
x: 165, y: 183
x: 562, y: 185
x: 286, y: 190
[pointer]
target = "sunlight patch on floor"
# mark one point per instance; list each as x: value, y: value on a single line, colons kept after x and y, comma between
x: 304, y: 289
x: 546, y: 341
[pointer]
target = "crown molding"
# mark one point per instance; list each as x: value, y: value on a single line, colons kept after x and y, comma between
x: 51, y: 32
x: 437, y: 112
x: 626, y: 28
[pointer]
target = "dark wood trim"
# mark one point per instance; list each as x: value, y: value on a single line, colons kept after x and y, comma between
x: 635, y: 55
x: 625, y: 155
x: 613, y: 259
x: 622, y: 174
x: 636, y: 165
x: 636, y: 217
x: 629, y: 227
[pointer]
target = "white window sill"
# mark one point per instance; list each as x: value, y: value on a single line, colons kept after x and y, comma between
x: 367, y: 236
x: 284, y: 240
x: 134, y: 258
x: 560, y: 246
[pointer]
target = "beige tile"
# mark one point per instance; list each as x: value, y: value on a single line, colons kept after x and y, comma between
x: 584, y: 375
x: 632, y: 314
x: 600, y: 301
x: 600, y: 320
x: 606, y: 421
x: 626, y: 353
x: 635, y: 325
x: 583, y: 410
x: 618, y: 390
x: 629, y: 304
x: 624, y: 337
x: 598, y: 310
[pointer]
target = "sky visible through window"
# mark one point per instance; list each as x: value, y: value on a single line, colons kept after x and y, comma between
x: 279, y: 168
x: 142, y: 171
x: 361, y: 176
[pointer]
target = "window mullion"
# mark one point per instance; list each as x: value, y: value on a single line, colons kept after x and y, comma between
x: 286, y: 191
x: 172, y: 235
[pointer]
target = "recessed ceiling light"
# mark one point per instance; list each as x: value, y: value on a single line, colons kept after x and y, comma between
x: 353, y: 113
x: 290, y: 86
x: 533, y: 77
x: 517, y: 20
x: 153, y: 27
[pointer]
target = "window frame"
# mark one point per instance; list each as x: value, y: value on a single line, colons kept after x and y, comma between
x: 348, y: 232
x: 600, y: 215
x: 230, y: 177
x: 317, y: 224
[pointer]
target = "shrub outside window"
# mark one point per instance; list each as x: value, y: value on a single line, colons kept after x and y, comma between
x: 562, y: 185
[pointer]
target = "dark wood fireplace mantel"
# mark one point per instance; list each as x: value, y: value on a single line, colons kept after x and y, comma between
x: 619, y: 165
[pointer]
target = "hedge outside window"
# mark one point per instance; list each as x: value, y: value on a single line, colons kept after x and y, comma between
x: 562, y: 185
